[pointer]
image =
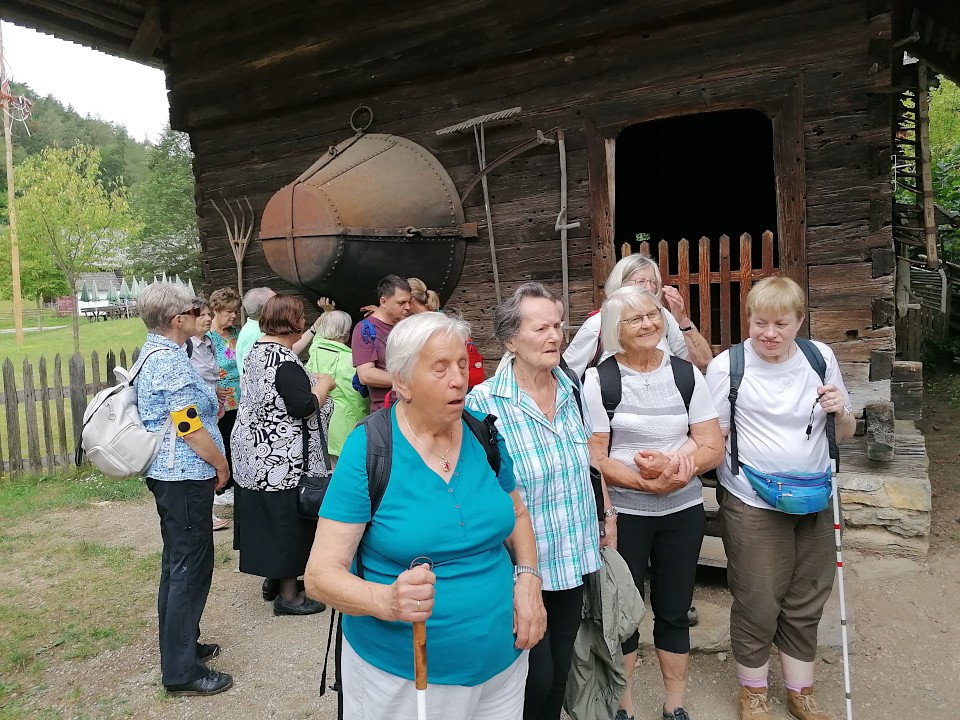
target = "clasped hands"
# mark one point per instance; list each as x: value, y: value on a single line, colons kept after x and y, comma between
x: 671, y: 471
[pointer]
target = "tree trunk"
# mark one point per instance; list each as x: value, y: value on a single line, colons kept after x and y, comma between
x: 76, y: 313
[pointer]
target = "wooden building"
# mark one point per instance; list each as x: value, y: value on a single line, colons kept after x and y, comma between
x: 681, y: 120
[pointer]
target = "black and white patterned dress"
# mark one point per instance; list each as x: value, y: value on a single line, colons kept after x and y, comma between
x: 275, y: 404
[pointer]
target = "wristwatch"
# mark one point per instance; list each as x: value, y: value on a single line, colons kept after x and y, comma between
x: 688, y: 328
x: 612, y: 512
x: 520, y: 569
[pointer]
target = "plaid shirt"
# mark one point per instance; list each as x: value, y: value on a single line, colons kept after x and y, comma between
x: 552, y: 467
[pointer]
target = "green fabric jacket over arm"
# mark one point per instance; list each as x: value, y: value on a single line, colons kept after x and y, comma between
x: 612, y: 611
x: 332, y: 358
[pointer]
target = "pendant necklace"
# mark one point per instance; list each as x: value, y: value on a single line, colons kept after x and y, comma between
x: 444, y: 464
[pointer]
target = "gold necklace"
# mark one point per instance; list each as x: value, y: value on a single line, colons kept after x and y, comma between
x: 443, y: 456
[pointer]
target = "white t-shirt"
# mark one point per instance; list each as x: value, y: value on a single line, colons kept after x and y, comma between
x: 650, y: 417
x: 583, y: 347
x: 773, y: 411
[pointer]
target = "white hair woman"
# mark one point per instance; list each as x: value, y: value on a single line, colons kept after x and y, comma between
x: 442, y: 501
x: 171, y: 394
x: 680, y: 335
x: 780, y: 559
x: 654, y: 426
x: 545, y: 432
x: 330, y: 355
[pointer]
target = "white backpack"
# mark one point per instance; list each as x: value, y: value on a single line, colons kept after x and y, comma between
x: 113, y: 437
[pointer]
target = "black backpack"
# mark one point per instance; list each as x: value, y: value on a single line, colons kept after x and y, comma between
x: 815, y: 358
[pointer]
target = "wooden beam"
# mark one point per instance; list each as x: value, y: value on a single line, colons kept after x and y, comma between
x: 148, y: 36
x: 926, y: 175
x: 789, y: 162
x: 601, y: 166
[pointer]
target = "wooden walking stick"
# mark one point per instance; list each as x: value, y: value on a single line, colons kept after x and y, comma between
x: 420, y: 653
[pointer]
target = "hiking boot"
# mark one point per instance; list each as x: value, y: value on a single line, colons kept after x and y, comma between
x: 754, y: 704
x: 678, y: 714
x: 622, y: 715
x: 802, y: 706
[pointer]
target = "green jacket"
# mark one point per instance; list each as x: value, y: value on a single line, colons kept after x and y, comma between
x: 612, y: 611
x: 349, y: 408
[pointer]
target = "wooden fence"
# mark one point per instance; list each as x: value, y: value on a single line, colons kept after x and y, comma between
x: 41, y: 418
x: 716, y: 294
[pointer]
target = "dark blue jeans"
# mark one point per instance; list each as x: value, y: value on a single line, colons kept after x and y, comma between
x: 186, y: 524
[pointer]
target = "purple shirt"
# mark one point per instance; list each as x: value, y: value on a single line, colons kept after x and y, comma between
x: 369, y: 344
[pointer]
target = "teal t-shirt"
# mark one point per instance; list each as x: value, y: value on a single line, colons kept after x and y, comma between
x: 461, y: 526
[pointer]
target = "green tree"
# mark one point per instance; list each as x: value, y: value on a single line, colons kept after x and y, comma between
x: 64, y: 209
x: 945, y: 160
x: 944, y: 117
x: 163, y: 202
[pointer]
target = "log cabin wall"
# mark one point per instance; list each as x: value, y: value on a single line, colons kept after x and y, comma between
x: 263, y: 93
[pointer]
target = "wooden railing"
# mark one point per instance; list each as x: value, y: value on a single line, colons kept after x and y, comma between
x: 42, y: 412
x: 721, y: 281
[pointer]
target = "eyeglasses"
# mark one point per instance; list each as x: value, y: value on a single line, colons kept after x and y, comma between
x: 637, y: 320
x: 644, y: 282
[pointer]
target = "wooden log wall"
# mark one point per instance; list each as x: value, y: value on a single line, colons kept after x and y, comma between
x: 264, y: 93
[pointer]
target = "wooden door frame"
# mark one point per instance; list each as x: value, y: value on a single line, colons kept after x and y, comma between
x: 789, y: 162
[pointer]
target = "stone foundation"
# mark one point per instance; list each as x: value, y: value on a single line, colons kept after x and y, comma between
x: 886, y: 505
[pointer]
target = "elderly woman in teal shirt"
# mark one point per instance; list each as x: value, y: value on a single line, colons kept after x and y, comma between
x: 482, y: 609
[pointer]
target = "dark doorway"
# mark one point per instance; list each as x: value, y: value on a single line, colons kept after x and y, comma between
x: 696, y: 176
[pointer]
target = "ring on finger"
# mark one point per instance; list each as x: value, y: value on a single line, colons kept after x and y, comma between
x: 418, y: 606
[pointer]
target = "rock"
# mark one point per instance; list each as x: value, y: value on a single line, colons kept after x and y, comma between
x: 722, y: 657
x: 879, y: 540
x: 859, y: 482
x: 909, y: 493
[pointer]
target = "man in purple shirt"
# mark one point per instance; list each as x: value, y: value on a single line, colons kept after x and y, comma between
x: 369, y: 341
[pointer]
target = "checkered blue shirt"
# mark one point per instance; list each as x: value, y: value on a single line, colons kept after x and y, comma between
x: 552, y: 466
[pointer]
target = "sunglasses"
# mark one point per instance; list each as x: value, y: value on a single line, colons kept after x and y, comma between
x: 196, y: 312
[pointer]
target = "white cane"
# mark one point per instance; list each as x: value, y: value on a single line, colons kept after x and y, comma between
x: 843, y: 604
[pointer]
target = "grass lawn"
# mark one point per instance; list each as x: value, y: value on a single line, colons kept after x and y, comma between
x: 113, y: 335
x: 58, y: 598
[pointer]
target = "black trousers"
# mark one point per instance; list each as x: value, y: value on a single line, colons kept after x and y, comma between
x: 671, y: 543
x: 550, y: 658
x: 225, y: 425
x: 185, y: 508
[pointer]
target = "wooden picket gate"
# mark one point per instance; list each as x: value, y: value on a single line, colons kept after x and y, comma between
x: 720, y: 309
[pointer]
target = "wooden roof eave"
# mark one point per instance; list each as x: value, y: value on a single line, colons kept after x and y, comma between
x: 930, y: 29
x: 131, y: 31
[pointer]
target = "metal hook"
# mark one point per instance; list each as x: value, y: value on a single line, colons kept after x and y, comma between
x: 353, y: 115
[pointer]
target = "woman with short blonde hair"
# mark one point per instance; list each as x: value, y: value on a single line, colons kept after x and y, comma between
x: 780, y: 557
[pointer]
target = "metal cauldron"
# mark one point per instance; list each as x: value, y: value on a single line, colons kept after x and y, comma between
x: 374, y: 205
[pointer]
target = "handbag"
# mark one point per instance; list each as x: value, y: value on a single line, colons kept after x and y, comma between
x: 312, y: 488
x: 795, y: 493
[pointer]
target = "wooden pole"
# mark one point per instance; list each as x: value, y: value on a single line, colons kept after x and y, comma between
x: 924, y: 169
x: 11, y: 209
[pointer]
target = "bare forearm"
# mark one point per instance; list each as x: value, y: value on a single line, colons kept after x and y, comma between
x: 336, y: 586
x: 846, y: 425
x: 707, y: 457
x: 203, y: 445
x: 301, y: 345
x: 375, y: 377
x: 699, y: 351
x: 617, y: 474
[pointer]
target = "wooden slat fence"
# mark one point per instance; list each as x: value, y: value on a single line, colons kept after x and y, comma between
x: 721, y: 287
x: 42, y: 411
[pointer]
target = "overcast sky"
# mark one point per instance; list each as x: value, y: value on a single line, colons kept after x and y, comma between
x: 94, y: 83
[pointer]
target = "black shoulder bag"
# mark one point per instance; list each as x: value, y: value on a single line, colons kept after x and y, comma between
x: 311, y: 488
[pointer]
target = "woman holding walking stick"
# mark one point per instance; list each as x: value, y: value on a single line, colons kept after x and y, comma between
x: 780, y: 545
x: 443, y: 500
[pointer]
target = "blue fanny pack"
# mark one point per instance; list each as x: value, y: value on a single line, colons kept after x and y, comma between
x: 795, y: 493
